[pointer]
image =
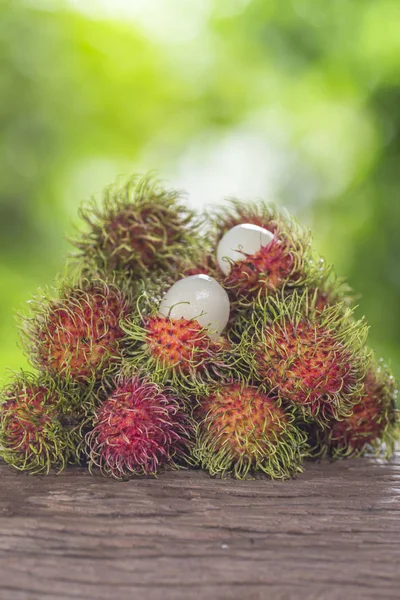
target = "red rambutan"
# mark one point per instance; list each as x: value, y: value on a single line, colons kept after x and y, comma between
x: 236, y: 212
x: 41, y: 423
x: 139, y: 429
x: 179, y: 352
x: 372, y: 421
x: 204, y: 264
x: 242, y: 429
x: 78, y: 335
x: 285, y: 262
x: 140, y: 228
x: 315, y: 360
x: 330, y: 290
x: 266, y: 271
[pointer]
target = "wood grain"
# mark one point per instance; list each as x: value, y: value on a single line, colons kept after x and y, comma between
x: 332, y: 533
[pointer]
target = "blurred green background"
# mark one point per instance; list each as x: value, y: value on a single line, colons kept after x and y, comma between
x: 297, y: 102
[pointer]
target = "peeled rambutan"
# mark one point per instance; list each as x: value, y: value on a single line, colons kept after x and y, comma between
x: 42, y: 423
x: 242, y: 429
x: 139, y: 429
x: 314, y: 360
x: 179, y: 352
x: 140, y: 228
x: 372, y: 421
x: 78, y: 335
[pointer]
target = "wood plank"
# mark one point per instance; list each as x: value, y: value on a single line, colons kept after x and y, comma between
x: 333, y: 532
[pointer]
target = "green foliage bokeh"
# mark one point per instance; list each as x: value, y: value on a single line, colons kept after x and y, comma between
x: 85, y: 97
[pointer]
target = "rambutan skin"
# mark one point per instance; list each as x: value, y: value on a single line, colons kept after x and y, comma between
x: 177, y: 343
x: 241, y: 429
x: 140, y: 228
x: 78, y: 335
x: 316, y: 361
x: 42, y: 423
x: 138, y: 430
x: 372, y: 421
x: 203, y: 264
x: 266, y: 271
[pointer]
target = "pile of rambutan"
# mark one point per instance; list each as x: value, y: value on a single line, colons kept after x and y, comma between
x: 220, y: 341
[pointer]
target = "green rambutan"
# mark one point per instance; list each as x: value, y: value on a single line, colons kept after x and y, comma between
x: 372, y: 421
x: 314, y: 360
x: 139, y: 429
x: 242, y: 429
x: 140, y: 228
x: 178, y: 352
x: 79, y: 334
x: 42, y: 423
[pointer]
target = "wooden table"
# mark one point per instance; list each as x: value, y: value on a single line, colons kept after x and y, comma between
x: 332, y: 533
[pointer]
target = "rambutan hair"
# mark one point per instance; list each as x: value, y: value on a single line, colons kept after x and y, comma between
x: 139, y: 429
x: 235, y: 212
x: 42, y: 422
x: 314, y: 360
x: 139, y: 228
x: 329, y: 290
x: 203, y: 263
x: 280, y: 263
x: 78, y: 335
x: 241, y: 429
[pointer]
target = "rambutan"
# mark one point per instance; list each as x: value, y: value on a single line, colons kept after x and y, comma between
x: 227, y: 344
x: 268, y: 270
x: 285, y: 262
x: 372, y: 421
x: 330, y: 290
x: 242, y: 429
x: 314, y: 360
x: 139, y: 429
x: 140, y: 228
x: 179, y: 352
x: 79, y: 334
x: 203, y: 264
x: 42, y: 423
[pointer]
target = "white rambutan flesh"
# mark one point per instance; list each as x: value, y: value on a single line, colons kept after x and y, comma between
x: 239, y: 242
x: 201, y: 298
